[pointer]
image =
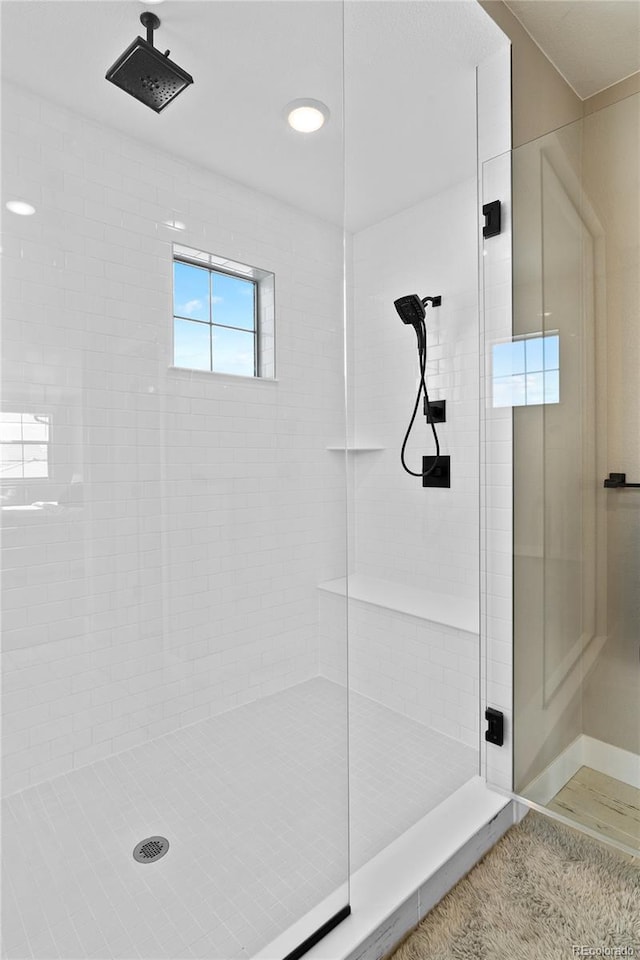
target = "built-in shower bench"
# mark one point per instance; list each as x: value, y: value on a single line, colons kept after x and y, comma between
x: 456, y: 612
x: 414, y: 651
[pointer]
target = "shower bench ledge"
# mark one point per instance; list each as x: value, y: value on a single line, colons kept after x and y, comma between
x: 460, y: 613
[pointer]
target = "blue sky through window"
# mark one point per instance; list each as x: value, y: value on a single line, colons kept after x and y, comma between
x: 207, y: 306
x: 526, y: 371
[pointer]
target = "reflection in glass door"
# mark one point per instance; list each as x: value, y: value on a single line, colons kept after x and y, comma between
x: 576, y: 539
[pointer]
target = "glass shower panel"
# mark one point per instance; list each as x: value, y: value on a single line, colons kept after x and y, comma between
x: 576, y: 626
x: 413, y: 564
x: 166, y: 527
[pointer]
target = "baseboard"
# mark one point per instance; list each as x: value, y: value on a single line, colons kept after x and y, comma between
x: 583, y: 752
x: 613, y: 761
x: 556, y: 774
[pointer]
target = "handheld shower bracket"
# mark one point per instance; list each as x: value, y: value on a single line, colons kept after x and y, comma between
x: 435, y: 411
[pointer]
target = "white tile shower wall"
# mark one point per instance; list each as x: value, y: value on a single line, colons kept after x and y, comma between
x: 418, y: 537
x: 496, y: 472
x: 167, y: 569
x: 423, y: 670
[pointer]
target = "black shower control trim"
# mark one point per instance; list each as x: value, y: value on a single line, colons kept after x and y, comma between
x: 435, y: 411
x: 495, y: 732
x: 492, y: 219
x: 440, y: 476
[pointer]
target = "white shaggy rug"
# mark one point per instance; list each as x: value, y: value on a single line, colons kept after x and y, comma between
x: 544, y: 892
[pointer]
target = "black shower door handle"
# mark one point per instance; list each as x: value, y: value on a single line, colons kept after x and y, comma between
x: 617, y: 481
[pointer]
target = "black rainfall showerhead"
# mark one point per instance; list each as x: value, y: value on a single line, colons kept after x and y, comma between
x: 147, y: 74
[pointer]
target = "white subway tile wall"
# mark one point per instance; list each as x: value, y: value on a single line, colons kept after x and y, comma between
x: 402, y: 533
x: 167, y: 569
x: 174, y: 495
x: 426, y: 538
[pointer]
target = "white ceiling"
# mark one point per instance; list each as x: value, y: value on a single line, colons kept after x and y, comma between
x: 593, y: 43
x: 409, y: 89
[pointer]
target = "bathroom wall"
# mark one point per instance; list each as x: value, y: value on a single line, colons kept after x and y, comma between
x: 409, y: 543
x: 542, y: 98
x: 613, y: 94
x: 167, y: 568
x: 611, y: 144
x: 405, y: 533
x: 416, y: 557
x: 576, y: 557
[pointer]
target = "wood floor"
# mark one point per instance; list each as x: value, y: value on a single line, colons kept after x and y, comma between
x: 609, y: 806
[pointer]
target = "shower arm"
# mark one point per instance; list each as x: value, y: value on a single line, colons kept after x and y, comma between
x: 151, y: 22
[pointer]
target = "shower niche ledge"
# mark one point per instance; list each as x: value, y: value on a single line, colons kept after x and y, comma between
x: 356, y: 447
x: 457, y: 612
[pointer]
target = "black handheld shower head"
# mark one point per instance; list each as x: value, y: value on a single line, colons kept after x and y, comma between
x: 412, y: 311
x: 410, y: 308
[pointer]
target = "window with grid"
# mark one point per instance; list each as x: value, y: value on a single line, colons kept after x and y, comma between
x: 215, y: 318
x: 526, y: 371
x: 24, y: 443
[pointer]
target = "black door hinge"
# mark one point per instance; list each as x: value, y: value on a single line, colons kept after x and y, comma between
x: 492, y: 219
x: 495, y: 731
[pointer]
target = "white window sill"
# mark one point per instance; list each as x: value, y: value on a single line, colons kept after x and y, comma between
x: 224, y: 376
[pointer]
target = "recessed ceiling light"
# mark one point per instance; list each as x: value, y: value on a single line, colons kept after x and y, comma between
x: 306, y: 116
x: 151, y: 2
x: 20, y: 207
x: 175, y: 224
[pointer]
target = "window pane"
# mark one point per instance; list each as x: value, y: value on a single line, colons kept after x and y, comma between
x: 36, y: 468
x: 552, y: 352
x: 233, y: 301
x: 190, y: 291
x: 535, y: 387
x: 233, y: 352
x: 509, y: 391
x: 10, y: 451
x: 36, y: 451
x: 508, y: 358
x: 191, y: 345
x: 552, y: 386
x: 33, y: 430
x: 12, y: 471
x: 533, y: 349
x: 10, y: 430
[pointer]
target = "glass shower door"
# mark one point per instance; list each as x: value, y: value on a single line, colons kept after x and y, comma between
x: 576, y: 559
x: 168, y: 514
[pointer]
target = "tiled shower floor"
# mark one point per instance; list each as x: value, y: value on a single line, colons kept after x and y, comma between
x: 254, y: 803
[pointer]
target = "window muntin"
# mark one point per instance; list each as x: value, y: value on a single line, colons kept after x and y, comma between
x: 215, y: 320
